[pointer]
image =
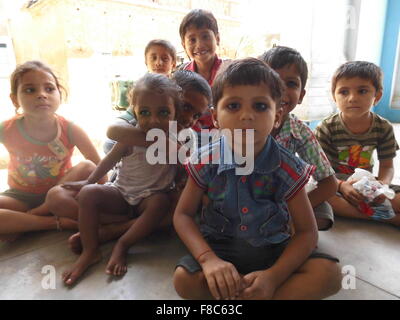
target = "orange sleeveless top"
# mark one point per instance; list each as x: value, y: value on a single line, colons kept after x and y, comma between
x: 36, y: 166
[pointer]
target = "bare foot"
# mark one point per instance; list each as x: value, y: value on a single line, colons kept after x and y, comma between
x: 10, y: 237
x: 117, y: 264
x: 106, y: 233
x: 85, y: 260
x: 75, y: 243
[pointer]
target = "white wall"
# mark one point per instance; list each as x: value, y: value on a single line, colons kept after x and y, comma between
x: 371, y: 29
x: 395, y: 98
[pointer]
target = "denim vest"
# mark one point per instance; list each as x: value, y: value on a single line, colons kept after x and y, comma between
x: 251, y: 207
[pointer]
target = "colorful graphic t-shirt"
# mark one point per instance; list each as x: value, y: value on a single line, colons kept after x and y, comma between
x: 347, y: 151
x: 35, y: 166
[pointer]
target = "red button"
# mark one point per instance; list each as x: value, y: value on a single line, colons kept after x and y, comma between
x: 244, y: 179
x: 245, y: 210
x: 243, y: 228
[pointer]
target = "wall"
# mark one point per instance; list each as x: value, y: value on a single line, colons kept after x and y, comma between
x: 90, y: 43
x: 389, y: 51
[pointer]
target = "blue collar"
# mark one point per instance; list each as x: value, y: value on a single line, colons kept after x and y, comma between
x: 267, y: 161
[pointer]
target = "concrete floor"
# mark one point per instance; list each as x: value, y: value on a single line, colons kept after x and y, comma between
x: 370, y: 248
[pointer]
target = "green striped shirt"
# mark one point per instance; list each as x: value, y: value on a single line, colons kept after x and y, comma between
x: 347, y: 151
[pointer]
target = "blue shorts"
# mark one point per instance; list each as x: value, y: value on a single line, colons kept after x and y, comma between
x: 244, y: 256
x: 32, y: 200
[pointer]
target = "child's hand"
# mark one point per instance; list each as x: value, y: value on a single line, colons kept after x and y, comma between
x: 351, y: 194
x: 259, y: 286
x: 222, y: 278
x: 380, y: 199
x: 75, y: 185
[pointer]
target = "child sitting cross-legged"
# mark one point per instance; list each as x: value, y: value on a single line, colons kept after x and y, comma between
x: 243, y: 248
x: 40, y: 143
x: 350, y: 137
x: 141, y: 188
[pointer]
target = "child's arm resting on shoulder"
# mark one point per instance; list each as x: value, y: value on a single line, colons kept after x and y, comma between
x: 128, y: 134
x: 222, y: 277
x: 263, y: 284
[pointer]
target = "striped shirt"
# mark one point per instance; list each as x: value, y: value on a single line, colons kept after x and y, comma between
x: 348, y: 151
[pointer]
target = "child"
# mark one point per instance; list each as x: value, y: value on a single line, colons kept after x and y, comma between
x: 296, y: 136
x: 40, y: 144
x: 200, y: 38
x: 350, y: 136
x: 140, y: 188
x: 243, y: 247
x: 160, y: 57
x: 196, y: 98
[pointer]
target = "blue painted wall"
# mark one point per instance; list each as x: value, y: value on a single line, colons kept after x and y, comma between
x: 388, y: 59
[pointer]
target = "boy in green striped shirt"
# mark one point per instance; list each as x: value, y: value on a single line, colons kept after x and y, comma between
x: 350, y: 137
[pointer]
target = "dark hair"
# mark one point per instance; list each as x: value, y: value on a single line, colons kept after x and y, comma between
x: 279, y: 57
x: 249, y: 71
x: 200, y: 19
x: 362, y: 69
x: 159, y: 84
x: 22, y: 69
x: 162, y: 43
x: 189, y: 80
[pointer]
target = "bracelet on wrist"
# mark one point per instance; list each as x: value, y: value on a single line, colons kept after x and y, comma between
x: 339, y: 185
x: 203, y: 253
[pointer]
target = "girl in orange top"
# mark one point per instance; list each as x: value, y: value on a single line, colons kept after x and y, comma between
x: 40, y: 144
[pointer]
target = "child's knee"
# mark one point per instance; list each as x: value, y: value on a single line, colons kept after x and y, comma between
x: 89, y: 194
x: 55, y: 197
x: 85, y: 167
x: 330, y: 274
x: 183, y: 283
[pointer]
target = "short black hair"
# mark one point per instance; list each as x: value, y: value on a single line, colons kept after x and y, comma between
x: 280, y: 56
x: 362, y: 69
x: 200, y: 19
x: 163, y: 43
x: 189, y: 80
x: 158, y: 83
x: 249, y: 71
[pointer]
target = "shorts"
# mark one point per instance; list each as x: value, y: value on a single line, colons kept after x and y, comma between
x: 244, y: 256
x: 32, y: 200
x: 324, y: 211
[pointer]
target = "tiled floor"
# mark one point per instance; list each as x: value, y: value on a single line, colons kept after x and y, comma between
x: 371, y: 249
